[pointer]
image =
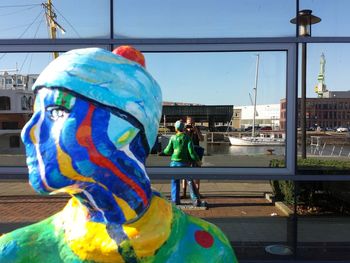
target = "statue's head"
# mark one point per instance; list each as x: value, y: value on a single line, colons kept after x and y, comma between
x: 95, y: 114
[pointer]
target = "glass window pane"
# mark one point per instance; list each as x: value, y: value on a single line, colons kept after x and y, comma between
x: 334, y: 17
x: 21, y: 19
x: 327, y: 110
x: 220, y: 104
x: 217, y: 90
x: 198, y: 18
x: 323, y: 223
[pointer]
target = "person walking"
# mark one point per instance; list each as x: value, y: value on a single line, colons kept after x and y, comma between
x: 180, y: 147
x: 196, y: 136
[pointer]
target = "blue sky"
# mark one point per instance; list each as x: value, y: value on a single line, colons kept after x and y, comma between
x: 207, y: 78
x: 219, y: 78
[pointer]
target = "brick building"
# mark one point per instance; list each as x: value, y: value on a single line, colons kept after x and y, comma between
x: 326, y: 112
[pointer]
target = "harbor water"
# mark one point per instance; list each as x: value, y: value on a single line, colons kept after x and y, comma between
x: 227, y: 149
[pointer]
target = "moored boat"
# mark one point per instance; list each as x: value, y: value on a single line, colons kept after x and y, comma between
x: 262, y: 140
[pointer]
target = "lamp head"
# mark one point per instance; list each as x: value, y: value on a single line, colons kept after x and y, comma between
x: 305, y: 19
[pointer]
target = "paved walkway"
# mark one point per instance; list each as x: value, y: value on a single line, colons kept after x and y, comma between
x: 239, y: 208
x: 19, y: 203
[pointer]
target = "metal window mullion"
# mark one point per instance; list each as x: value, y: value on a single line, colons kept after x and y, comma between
x: 27, y: 43
x: 212, y: 174
x: 291, y: 101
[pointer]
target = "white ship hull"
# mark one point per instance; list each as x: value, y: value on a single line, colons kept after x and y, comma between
x: 255, y: 141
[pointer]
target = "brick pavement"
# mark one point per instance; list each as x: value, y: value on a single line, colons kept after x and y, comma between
x: 227, y: 207
x: 239, y: 208
x: 19, y: 203
x: 14, y: 209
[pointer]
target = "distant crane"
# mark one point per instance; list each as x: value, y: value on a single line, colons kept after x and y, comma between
x: 321, y: 87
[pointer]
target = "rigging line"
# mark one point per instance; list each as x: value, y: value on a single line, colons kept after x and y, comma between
x: 10, y: 6
x: 3, y: 55
x: 30, y: 64
x: 67, y: 21
x: 31, y: 24
x: 35, y: 34
x: 19, y: 11
x: 37, y: 29
x: 24, y: 61
x: 9, y: 28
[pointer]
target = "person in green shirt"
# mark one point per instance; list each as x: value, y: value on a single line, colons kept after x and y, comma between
x: 182, y: 152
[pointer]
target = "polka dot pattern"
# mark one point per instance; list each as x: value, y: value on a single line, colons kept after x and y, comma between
x: 203, y: 238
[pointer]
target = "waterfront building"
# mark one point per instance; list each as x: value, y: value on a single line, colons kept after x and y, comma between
x: 266, y: 115
x: 330, y: 112
x: 207, y: 115
x: 16, y: 103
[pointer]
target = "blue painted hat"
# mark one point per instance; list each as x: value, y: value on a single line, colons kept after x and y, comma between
x: 109, y: 79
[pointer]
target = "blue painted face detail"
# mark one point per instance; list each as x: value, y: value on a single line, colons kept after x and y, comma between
x: 57, y: 159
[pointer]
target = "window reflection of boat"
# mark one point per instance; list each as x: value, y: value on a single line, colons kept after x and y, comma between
x: 263, y: 140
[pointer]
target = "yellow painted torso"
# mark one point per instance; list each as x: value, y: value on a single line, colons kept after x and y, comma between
x: 91, y: 241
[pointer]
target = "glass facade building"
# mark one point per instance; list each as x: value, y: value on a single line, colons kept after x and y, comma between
x: 204, y: 55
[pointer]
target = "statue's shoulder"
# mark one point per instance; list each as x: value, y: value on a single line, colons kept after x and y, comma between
x: 32, y: 243
x: 24, y: 241
x: 195, y: 240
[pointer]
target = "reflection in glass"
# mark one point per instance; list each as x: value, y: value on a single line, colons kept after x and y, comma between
x: 327, y: 110
x: 198, y: 18
x: 221, y: 91
x: 18, y: 73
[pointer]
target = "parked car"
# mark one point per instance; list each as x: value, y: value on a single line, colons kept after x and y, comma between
x: 266, y: 128
x: 342, y: 129
x: 224, y: 129
x: 163, y: 130
x: 203, y: 129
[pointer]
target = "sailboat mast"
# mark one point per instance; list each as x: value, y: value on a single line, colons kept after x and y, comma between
x: 50, y: 16
x: 52, y: 23
x: 255, y: 92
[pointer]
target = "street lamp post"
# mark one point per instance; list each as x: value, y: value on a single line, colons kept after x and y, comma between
x: 304, y: 20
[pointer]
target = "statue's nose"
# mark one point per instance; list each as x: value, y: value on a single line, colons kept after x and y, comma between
x: 28, y: 128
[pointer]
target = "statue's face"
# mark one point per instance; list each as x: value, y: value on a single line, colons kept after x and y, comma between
x: 70, y: 142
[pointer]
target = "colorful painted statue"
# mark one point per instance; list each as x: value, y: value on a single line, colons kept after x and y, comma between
x: 96, y: 116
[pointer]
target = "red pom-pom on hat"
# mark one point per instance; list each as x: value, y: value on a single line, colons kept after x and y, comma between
x: 131, y: 53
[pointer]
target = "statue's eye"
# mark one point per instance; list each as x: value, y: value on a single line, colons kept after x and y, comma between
x: 57, y: 112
